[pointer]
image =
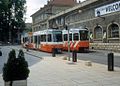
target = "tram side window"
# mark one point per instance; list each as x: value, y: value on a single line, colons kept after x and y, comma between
x: 35, y: 39
x: 84, y: 35
x: 31, y: 39
x: 70, y: 37
x: 65, y: 37
x: 57, y: 37
x: 43, y: 38
x: 23, y: 40
x: 38, y: 39
x: 75, y: 36
x: 26, y: 39
x: 49, y: 38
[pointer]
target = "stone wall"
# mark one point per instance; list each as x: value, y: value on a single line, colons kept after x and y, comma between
x: 87, y: 19
x: 106, y: 46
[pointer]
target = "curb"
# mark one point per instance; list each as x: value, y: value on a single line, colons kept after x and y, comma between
x: 33, y: 55
x: 28, y: 53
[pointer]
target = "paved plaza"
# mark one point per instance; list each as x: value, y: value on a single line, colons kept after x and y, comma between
x: 54, y: 71
x: 58, y: 72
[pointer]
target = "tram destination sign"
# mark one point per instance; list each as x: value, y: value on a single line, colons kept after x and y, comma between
x: 106, y: 9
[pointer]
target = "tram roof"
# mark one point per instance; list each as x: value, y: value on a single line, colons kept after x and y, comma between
x: 72, y: 30
x: 47, y: 31
x: 36, y: 33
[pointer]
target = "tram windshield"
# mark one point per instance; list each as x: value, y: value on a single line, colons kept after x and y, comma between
x: 57, y: 36
x: 75, y: 37
x: 35, y: 37
x: 65, y: 37
x: 84, y: 35
x: 70, y: 36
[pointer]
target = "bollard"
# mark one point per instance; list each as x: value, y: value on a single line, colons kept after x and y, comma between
x: 0, y: 53
x: 53, y: 52
x: 27, y: 49
x: 74, y: 56
x: 110, y: 62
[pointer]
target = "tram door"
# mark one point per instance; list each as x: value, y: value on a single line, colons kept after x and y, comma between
x: 35, y: 41
x: 38, y: 41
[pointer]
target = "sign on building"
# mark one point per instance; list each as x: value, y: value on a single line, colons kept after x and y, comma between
x: 110, y: 8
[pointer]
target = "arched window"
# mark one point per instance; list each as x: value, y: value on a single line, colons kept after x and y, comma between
x: 98, y: 32
x: 113, y: 31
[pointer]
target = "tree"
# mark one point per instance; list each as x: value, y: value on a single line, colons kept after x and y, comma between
x: 4, y: 19
x: 23, y: 66
x: 18, y: 24
x: 8, y: 68
x: 15, y: 68
x: 12, y: 16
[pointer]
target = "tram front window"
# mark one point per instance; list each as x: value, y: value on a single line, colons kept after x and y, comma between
x: 57, y: 37
x: 35, y: 37
x: 65, y: 37
x: 49, y: 38
x: 75, y: 36
x: 84, y: 35
x: 70, y: 37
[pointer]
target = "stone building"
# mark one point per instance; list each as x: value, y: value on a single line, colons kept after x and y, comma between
x: 40, y: 18
x: 100, y: 17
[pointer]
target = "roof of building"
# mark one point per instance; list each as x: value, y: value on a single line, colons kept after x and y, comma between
x: 63, y: 2
x: 69, y: 3
x: 85, y: 3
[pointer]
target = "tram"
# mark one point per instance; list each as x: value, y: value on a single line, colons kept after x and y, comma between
x: 47, y: 40
x: 24, y: 39
x: 78, y: 38
x: 27, y: 40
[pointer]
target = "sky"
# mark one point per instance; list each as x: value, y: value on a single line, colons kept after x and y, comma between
x: 33, y: 6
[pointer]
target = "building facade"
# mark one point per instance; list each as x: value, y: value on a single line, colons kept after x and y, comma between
x: 40, y: 18
x: 101, y: 17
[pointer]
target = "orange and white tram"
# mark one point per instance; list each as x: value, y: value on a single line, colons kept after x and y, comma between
x: 79, y: 39
x: 46, y: 40
x: 26, y: 41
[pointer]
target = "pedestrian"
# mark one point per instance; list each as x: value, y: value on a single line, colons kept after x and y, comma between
x: 91, y: 37
x: 26, y: 45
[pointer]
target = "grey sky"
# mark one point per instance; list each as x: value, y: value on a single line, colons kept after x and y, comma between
x: 33, y: 6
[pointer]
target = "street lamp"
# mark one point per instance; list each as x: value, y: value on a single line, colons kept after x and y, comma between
x: 68, y: 22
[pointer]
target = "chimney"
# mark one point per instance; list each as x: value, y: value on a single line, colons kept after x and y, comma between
x: 48, y: 2
x: 79, y: 1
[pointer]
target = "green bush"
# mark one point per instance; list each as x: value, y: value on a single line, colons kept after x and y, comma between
x: 15, y: 68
